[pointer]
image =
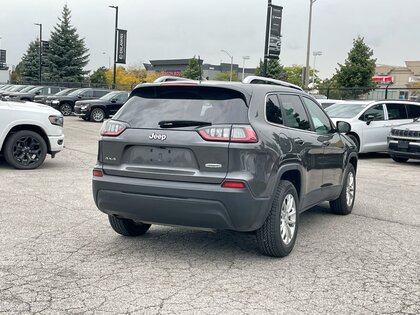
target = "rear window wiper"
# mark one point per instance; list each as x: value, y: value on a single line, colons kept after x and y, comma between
x: 182, y: 123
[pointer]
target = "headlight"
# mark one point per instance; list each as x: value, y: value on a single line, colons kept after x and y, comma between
x: 56, y: 120
x: 84, y: 106
x: 55, y: 102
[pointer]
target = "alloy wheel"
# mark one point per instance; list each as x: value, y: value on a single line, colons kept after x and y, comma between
x: 350, y: 189
x: 288, y: 219
x: 27, y: 150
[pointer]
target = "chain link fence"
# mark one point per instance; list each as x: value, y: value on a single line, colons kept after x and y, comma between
x: 123, y: 87
x: 381, y: 93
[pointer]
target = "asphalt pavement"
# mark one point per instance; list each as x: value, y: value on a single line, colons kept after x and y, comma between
x: 58, y: 254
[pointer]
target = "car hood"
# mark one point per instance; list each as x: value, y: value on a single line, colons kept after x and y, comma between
x: 95, y: 102
x: 415, y: 126
x: 32, y: 107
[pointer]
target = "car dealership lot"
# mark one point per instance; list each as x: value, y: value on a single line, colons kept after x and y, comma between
x: 58, y: 253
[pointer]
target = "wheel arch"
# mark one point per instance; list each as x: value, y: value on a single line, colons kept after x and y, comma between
x: 30, y: 127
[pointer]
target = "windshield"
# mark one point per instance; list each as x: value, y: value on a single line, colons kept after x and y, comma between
x: 17, y: 88
x: 28, y: 88
x: 149, y: 106
x: 65, y: 92
x: 345, y: 110
x: 110, y: 95
x: 77, y: 92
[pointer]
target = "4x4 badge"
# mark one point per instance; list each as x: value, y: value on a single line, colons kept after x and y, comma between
x: 155, y: 136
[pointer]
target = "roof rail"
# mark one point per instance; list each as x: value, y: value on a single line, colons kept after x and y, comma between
x: 263, y: 80
x: 167, y: 78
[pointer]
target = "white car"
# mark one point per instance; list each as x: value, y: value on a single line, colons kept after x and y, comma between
x: 28, y: 132
x: 371, y: 122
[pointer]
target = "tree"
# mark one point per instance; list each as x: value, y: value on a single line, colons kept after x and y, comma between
x: 358, y: 69
x: 274, y: 69
x: 68, y: 54
x: 99, y: 76
x: 29, y: 65
x: 293, y: 74
x: 225, y: 76
x: 192, y: 71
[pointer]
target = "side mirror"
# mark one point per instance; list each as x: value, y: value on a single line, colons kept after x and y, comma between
x: 369, y: 118
x: 113, y: 100
x: 79, y: 96
x: 37, y: 92
x: 343, y: 127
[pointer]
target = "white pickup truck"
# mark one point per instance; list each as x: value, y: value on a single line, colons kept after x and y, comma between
x: 28, y: 131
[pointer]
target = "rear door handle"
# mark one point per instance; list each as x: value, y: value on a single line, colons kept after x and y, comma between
x: 299, y: 141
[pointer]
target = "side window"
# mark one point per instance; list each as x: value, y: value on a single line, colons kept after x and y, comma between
x: 413, y: 111
x: 99, y: 93
x: 87, y: 93
x: 319, y: 118
x: 55, y: 90
x: 273, y: 110
x: 295, y: 114
x: 44, y: 91
x: 122, y: 97
x: 396, y: 111
x: 377, y: 111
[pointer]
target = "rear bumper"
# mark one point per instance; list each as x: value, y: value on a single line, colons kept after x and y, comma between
x: 179, y: 203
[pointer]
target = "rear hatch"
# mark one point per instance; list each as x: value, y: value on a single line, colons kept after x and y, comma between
x: 175, y: 132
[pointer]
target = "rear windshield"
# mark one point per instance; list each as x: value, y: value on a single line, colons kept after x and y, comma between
x: 345, y: 110
x: 150, y: 105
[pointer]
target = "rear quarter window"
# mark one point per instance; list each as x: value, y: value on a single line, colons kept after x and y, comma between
x: 149, y: 105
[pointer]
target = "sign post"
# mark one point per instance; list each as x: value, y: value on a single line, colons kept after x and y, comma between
x: 3, y: 59
x: 273, y: 34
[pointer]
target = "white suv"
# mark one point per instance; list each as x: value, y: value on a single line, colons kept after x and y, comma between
x: 28, y: 131
x: 371, y: 121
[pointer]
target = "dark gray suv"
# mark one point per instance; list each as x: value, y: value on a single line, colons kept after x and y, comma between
x: 243, y: 157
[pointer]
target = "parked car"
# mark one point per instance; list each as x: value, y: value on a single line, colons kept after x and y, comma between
x: 104, y: 107
x: 30, y: 94
x: 404, y: 141
x: 243, y: 157
x: 28, y: 132
x: 325, y: 103
x: 65, y: 103
x: 371, y: 121
x: 46, y: 99
x: 16, y: 88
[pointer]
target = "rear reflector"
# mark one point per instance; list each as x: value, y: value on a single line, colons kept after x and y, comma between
x: 232, y: 184
x: 97, y: 173
x: 235, y: 133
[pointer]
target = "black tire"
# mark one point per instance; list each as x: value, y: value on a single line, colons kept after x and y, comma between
x: 399, y: 159
x: 25, y: 150
x: 97, y: 115
x: 66, y: 109
x: 340, y: 205
x: 269, y: 236
x: 355, y: 140
x: 128, y: 227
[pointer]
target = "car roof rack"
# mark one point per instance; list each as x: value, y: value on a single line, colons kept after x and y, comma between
x: 263, y: 80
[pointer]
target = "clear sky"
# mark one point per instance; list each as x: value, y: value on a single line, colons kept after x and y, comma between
x: 166, y: 29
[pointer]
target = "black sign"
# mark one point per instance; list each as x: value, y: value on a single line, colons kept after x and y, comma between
x: 121, y: 46
x: 274, y: 32
x: 45, y: 48
x: 2, y: 56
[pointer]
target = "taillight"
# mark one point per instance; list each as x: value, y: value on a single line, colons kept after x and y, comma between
x: 233, y: 184
x: 236, y: 133
x: 97, y: 173
x: 113, y: 128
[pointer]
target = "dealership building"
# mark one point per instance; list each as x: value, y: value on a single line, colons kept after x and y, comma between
x: 175, y: 67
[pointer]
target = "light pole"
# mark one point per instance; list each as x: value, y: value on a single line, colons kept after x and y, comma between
x: 308, y: 50
x: 231, y: 62
x: 315, y: 54
x: 243, y: 66
x: 40, y: 51
x: 115, y: 46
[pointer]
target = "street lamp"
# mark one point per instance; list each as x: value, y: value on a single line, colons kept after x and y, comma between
x: 243, y: 66
x: 231, y: 62
x: 315, y: 54
x: 40, y: 52
x: 115, y: 46
x: 308, y: 51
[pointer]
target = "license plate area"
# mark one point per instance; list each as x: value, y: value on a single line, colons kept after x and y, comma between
x: 161, y: 156
x: 402, y: 144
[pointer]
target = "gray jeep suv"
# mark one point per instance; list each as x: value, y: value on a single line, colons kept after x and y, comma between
x: 243, y: 157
